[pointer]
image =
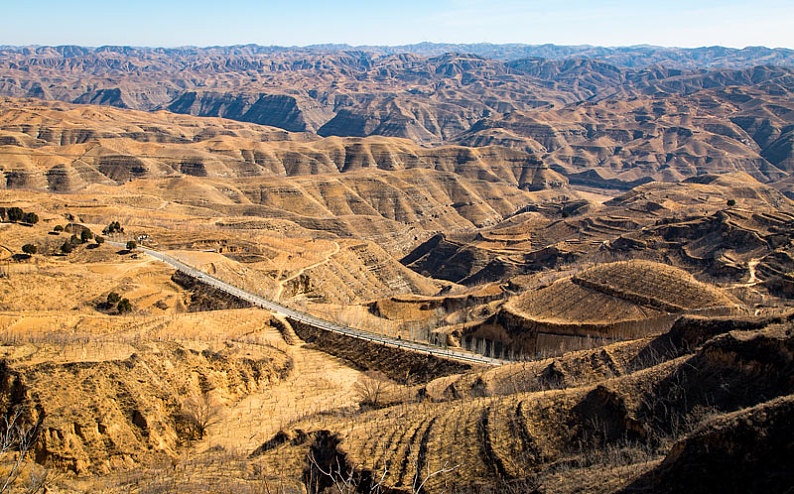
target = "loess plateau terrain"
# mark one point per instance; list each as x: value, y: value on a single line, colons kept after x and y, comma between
x: 499, y: 268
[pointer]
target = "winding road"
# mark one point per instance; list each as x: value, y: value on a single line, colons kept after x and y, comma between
x: 312, y: 320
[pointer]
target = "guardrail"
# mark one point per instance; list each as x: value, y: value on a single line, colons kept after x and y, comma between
x: 310, y: 319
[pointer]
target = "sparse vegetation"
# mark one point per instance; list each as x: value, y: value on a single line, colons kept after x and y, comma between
x: 17, y: 439
x: 113, y: 227
x: 200, y: 412
x: 15, y: 214
x: 632, y: 370
x: 113, y: 299
x: 124, y: 306
x: 30, y: 218
x: 371, y: 388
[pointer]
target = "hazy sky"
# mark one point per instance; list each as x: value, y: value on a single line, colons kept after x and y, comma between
x: 225, y: 22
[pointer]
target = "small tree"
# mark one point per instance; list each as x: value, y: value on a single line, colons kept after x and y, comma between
x: 731, y: 203
x: 113, y: 298
x: 17, y: 439
x: 113, y: 227
x: 58, y: 228
x: 99, y: 240
x: 370, y: 388
x: 131, y: 244
x: 200, y: 412
x: 29, y: 249
x: 15, y: 214
x: 31, y: 218
x: 124, y: 306
x: 66, y: 248
x: 86, y: 235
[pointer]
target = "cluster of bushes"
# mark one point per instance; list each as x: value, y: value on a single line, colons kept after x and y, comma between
x: 17, y: 215
x: 116, y: 301
x: 113, y: 227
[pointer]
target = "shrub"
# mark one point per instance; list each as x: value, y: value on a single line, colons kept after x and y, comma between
x: 86, y: 235
x: 731, y: 203
x: 99, y: 240
x: 58, y: 228
x: 31, y: 218
x: 113, y: 298
x: 2, y: 214
x: 75, y: 240
x: 113, y: 227
x: 124, y: 306
x: 15, y: 214
x: 370, y: 388
x: 131, y: 244
x: 66, y: 247
x: 200, y: 412
x: 29, y: 249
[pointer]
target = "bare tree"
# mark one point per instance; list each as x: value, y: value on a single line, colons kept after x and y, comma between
x: 349, y: 480
x: 201, y: 412
x: 16, y: 440
x: 345, y: 481
x: 370, y: 388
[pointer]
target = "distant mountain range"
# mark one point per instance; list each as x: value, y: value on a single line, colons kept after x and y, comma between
x: 594, y: 122
x: 624, y: 56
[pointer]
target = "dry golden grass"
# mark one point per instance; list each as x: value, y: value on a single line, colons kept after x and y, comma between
x: 622, y: 291
x: 565, y: 301
x: 637, y: 280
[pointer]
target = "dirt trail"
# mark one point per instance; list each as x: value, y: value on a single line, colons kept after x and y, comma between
x: 751, y: 267
x: 5, y: 252
x: 317, y: 382
x: 299, y: 272
x: 753, y: 279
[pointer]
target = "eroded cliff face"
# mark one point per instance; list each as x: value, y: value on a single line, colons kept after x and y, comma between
x: 450, y: 97
x: 634, y: 416
x: 96, y: 416
x: 289, y: 112
x: 97, y: 145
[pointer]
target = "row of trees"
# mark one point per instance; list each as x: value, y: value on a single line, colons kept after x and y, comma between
x: 113, y: 227
x: 17, y: 215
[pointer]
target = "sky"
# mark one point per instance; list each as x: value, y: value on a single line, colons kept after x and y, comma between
x: 171, y: 23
